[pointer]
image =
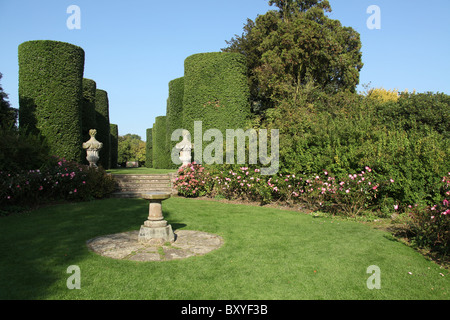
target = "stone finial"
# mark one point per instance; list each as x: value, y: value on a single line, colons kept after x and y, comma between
x: 92, y: 147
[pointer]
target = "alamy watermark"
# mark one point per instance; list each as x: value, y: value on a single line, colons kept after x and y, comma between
x: 374, y: 281
x: 74, y: 281
x: 213, y: 153
x: 74, y: 20
x: 374, y: 21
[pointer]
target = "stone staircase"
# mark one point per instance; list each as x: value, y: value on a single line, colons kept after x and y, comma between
x: 130, y: 186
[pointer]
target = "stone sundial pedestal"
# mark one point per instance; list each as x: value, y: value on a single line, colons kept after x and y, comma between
x: 155, y: 241
x: 155, y: 230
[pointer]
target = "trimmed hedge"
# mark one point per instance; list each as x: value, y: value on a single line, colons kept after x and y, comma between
x: 114, y: 139
x: 149, y: 149
x: 50, y: 94
x: 160, y: 155
x: 103, y: 129
x: 88, y: 111
x: 174, y: 113
x: 216, y: 92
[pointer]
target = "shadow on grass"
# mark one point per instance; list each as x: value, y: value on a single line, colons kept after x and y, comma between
x: 34, y: 243
x: 170, y: 217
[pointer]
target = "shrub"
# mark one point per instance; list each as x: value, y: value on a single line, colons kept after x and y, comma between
x: 21, y: 150
x: 430, y: 227
x: 60, y: 179
x: 191, y: 180
x: 383, y: 95
x: 349, y: 195
x: 344, y: 132
x: 103, y: 128
x: 355, y: 193
x: 215, y: 92
x: 424, y: 111
x: 237, y: 182
x: 99, y: 184
x: 50, y: 94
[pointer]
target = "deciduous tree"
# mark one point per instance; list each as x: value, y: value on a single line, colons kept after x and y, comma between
x: 131, y: 148
x: 8, y: 115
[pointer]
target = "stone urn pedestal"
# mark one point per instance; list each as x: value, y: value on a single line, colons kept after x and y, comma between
x: 92, y: 147
x: 155, y: 230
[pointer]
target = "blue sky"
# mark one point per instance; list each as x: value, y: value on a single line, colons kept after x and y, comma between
x: 134, y: 48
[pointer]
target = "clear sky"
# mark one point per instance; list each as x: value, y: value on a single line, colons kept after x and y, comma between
x: 134, y: 48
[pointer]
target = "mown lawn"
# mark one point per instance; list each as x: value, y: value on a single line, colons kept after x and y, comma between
x: 268, y: 254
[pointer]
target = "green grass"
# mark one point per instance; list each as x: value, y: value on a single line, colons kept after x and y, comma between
x: 140, y: 170
x: 268, y: 254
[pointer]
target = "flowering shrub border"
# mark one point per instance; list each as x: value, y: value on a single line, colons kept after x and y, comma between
x: 349, y: 195
x: 60, y: 180
x: 430, y: 226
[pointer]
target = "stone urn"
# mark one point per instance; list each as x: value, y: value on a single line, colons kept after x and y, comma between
x: 92, y: 147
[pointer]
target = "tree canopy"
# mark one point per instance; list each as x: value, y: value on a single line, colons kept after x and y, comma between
x: 294, y: 46
x: 8, y: 115
x: 289, y: 7
x: 131, y: 148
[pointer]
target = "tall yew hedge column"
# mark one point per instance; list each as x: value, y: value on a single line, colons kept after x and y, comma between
x: 103, y: 128
x: 216, y: 92
x: 88, y: 112
x: 50, y: 94
x: 149, y: 149
x: 160, y: 151
x: 114, y: 130
x: 174, y: 113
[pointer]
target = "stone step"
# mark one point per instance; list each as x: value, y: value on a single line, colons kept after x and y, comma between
x: 157, y: 182
x: 137, y: 183
x: 129, y: 194
x: 142, y: 177
x: 130, y: 186
x: 144, y: 189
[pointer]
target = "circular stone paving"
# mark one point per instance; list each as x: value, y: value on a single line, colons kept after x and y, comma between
x: 127, y: 247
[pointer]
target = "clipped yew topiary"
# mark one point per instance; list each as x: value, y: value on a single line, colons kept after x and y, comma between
x: 160, y: 154
x: 174, y: 113
x: 216, y: 91
x: 114, y: 139
x: 149, y: 149
x: 50, y: 94
x: 103, y: 128
x: 88, y: 111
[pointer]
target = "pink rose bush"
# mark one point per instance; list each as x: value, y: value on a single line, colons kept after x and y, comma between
x: 191, y: 180
x: 430, y: 226
x: 59, y: 180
